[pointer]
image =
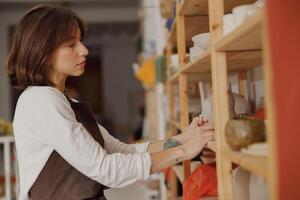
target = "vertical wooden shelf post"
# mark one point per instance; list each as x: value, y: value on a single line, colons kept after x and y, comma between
x: 220, y: 98
x: 172, y: 114
x: 183, y: 93
x: 170, y: 92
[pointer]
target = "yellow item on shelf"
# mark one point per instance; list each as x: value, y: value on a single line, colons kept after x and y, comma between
x: 5, y: 127
x: 146, y: 74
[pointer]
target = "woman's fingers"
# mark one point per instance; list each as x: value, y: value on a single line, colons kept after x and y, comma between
x: 199, y: 121
x: 196, y: 121
x: 207, y: 127
x: 202, y: 120
x: 208, y: 136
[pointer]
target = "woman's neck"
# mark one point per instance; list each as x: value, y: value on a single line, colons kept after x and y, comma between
x: 60, y: 87
x: 59, y: 82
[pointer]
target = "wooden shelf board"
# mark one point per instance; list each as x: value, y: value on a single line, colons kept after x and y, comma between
x: 255, y: 164
x: 193, y: 25
x: 212, y: 145
x: 201, y: 64
x: 248, y: 36
x: 196, y: 77
x: 230, y: 4
x: 200, y: 7
x: 194, y: 7
x: 192, y: 77
x: 242, y: 60
x: 174, y: 77
x: 236, y: 60
x: 199, y: 70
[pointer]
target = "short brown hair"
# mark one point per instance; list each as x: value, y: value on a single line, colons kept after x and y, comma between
x: 37, y: 35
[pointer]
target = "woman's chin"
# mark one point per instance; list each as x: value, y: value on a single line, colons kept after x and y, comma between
x: 79, y: 72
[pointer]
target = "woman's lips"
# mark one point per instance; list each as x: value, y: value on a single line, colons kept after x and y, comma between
x: 82, y: 64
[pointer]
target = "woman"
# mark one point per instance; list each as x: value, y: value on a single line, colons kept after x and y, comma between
x: 63, y: 153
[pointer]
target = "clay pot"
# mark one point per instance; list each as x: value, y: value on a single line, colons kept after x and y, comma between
x: 240, y: 133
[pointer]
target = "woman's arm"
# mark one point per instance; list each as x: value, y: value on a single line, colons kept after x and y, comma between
x: 53, y: 123
x: 113, y: 145
x: 179, y: 139
x: 186, y: 151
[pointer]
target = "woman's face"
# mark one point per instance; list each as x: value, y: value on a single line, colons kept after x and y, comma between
x: 69, y: 59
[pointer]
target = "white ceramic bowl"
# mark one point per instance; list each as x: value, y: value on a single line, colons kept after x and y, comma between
x: 174, y: 60
x: 202, y: 40
x: 195, y: 52
x: 240, y: 12
x: 228, y: 23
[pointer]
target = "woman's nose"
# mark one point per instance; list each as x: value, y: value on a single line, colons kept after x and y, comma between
x: 83, y: 50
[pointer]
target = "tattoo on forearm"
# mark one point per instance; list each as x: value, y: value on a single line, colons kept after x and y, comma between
x: 170, y: 143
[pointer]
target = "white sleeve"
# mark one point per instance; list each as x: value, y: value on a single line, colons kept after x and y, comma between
x: 53, y: 122
x: 113, y: 145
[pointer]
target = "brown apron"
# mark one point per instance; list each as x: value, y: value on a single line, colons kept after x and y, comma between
x: 59, y: 180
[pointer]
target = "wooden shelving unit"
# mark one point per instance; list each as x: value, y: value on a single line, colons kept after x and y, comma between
x: 242, y: 49
x: 193, y: 26
x: 247, y: 37
x: 200, y: 65
x: 174, y: 77
x: 200, y: 7
x: 255, y: 164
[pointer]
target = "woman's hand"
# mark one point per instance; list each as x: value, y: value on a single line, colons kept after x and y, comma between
x: 199, y: 137
x: 196, y: 138
x: 190, y: 132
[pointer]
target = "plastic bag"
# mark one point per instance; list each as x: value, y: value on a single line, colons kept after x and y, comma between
x: 202, y: 182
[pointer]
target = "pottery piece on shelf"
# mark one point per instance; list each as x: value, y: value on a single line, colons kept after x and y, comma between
x: 228, y: 23
x: 231, y: 105
x: 241, y: 105
x: 240, y: 13
x: 195, y: 52
x: 205, y: 91
x: 240, y: 133
x: 174, y: 61
x: 256, y: 149
x: 258, y: 188
x: 202, y: 40
x: 241, y: 181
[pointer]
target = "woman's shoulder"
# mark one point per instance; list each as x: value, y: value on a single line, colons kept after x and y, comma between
x: 39, y: 94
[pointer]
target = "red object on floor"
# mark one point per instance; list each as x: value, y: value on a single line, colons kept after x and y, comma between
x: 283, y: 21
x: 202, y: 182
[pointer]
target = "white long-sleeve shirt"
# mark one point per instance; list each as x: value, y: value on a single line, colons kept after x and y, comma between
x: 44, y: 121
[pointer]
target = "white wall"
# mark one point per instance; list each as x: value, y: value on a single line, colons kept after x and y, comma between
x: 10, y: 17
